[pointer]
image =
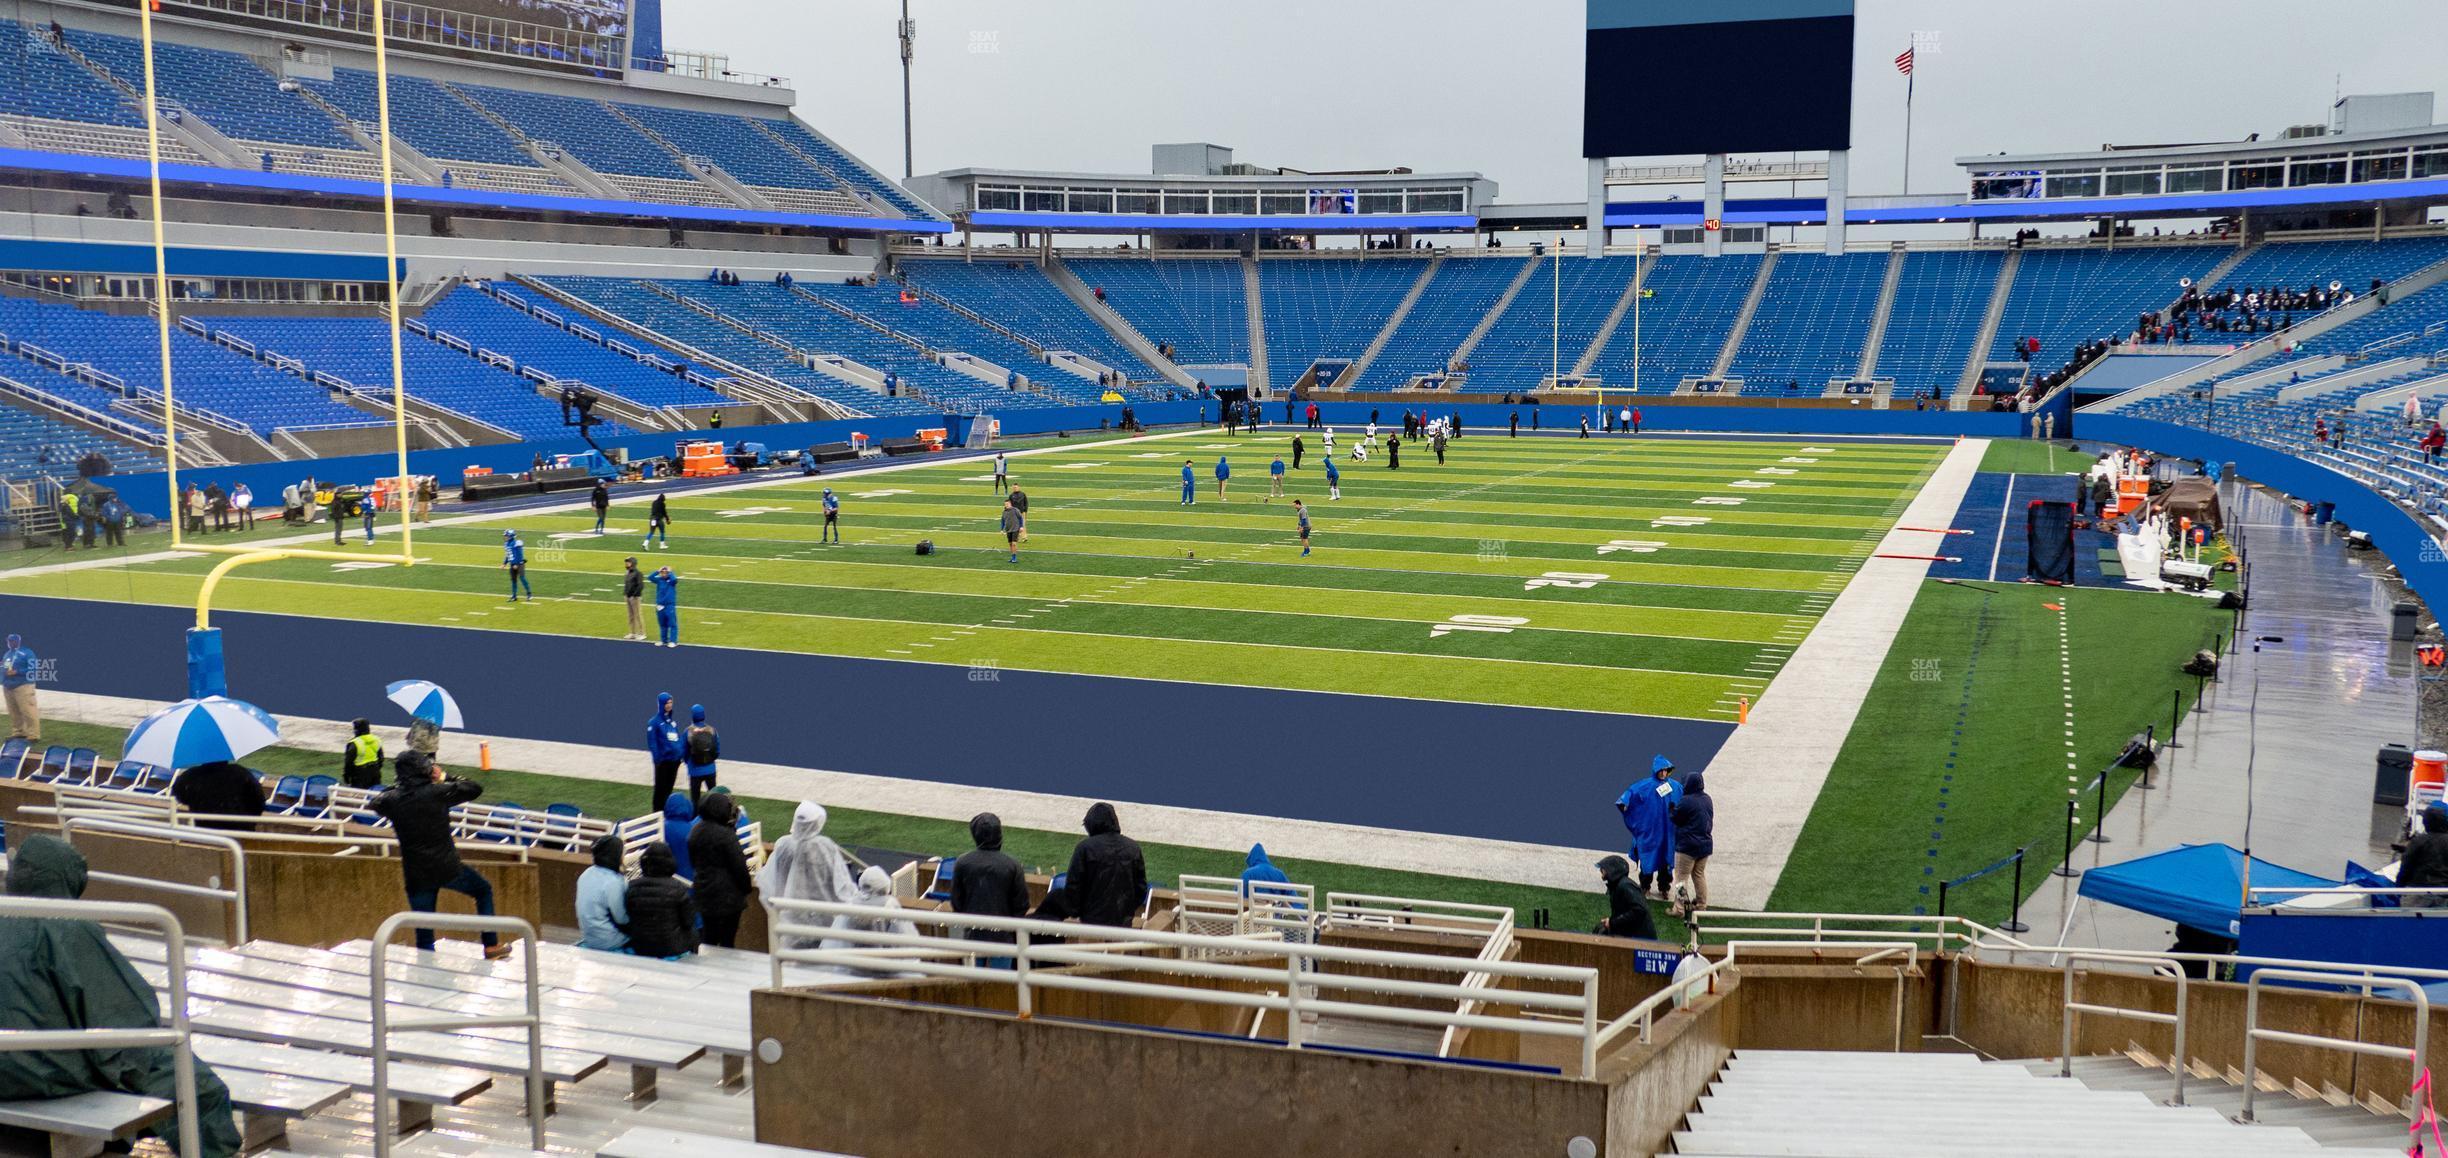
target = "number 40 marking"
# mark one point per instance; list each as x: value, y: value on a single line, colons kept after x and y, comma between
x: 1578, y: 580
x: 1493, y: 624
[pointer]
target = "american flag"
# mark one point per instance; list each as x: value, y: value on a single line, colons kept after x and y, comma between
x: 1903, y: 62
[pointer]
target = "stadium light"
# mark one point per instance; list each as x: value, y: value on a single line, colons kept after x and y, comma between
x: 908, y: 30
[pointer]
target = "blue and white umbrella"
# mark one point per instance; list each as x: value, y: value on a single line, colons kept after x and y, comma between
x: 425, y: 700
x: 192, y: 732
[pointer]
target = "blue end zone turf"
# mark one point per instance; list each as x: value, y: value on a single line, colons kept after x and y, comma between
x: 1994, y: 503
x: 1522, y: 774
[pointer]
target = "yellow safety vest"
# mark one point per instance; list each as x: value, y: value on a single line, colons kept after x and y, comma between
x: 365, y: 749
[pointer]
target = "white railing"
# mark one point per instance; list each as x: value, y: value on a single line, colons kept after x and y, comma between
x: 176, y: 1036
x: 1410, y: 913
x: 2254, y: 1035
x: 385, y: 1023
x: 1289, y: 990
x: 234, y: 895
x: 1643, y: 1016
x: 2161, y: 966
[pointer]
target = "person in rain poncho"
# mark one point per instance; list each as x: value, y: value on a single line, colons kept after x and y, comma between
x: 64, y: 974
x: 679, y: 816
x: 875, y: 892
x: 807, y: 866
x: 1648, y: 814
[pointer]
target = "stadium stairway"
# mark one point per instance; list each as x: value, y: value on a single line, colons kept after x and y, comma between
x: 1953, y: 1105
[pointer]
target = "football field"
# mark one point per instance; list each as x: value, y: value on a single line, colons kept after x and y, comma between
x: 1660, y: 576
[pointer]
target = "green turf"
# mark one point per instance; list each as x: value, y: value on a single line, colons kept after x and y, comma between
x: 1041, y: 851
x: 1867, y: 846
x: 1663, y: 577
x: 2032, y: 456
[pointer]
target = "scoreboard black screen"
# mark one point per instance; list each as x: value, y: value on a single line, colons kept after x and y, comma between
x: 1668, y: 77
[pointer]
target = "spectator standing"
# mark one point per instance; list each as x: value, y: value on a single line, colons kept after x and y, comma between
x: 1648, y: 814
x: 987, y: 882
x: 1627, y: 910
x: 419, y: 809
x: 1011, y: 530
x: 1223, y: 477
x: 1300, y: 515
x: 2432, y: 441
x: 721, y: 881
x: 662, y: 917
x: 603, y: 909
x: 19, y: 669
x: 667, y: 606
x: 221, y: 788
x: 1002, y: 472
x: 1189, y: 484
x: 1019, y: 502
x: 1108, y: 875
x: 2426, y: 860
x: 1695, y: 826
x: 361, y: 758
x: 703, y: 747
x: 1334, y: 479
x: 633, y: 589
x: 666, y: 747
x: 60, y: 974
x: 601, y: 499
x: 242, y: 503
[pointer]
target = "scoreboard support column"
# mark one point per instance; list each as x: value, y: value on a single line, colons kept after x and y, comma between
x: 1712, y: 177
x: 1595, y: 227
x: 1836, y: 188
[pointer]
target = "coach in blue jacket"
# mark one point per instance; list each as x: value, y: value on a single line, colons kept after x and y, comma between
x: 665, y: 745
x: 1648, y: 814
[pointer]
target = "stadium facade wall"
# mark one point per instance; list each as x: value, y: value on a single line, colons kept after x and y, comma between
x: 2396, y: 532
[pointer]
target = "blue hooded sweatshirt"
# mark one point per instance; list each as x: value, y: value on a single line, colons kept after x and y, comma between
x: 678, y: 817
x: 1260, y: 871
x: 1223, y: 469
x: 663, y: 733
x: 1648, y: 814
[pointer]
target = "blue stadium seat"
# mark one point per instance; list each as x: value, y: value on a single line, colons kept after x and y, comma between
x: 1198, y: 304
x: 1328, y: 307
x: 1020, y: 295
x: 1464, y: 289
x: 1813, y: 319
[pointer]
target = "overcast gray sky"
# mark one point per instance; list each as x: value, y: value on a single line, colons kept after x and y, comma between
x: 1495, y: 85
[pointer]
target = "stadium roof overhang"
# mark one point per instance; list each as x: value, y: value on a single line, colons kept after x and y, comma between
x: 1290, y: 202
x: 1224, y: 222
x: 1675, y: 213
x: 430, y: 197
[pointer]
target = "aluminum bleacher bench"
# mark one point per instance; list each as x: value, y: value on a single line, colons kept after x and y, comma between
x: 267, y: 1103
x: 415, y: 1087
x: 77, y: 1125
x: 661, y: 1142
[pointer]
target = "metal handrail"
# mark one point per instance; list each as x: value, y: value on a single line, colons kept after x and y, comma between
x: 235, y: 894
x: 176, y: 1036
x: 383, y: 1023
x: 1300, y: 971
x: 2254, y: 1034
x: 2065, y: 1050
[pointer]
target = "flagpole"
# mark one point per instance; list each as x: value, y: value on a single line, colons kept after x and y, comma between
x: 1908, y: 98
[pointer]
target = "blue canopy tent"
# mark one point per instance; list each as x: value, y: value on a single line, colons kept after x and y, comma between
x: 2201, y: 885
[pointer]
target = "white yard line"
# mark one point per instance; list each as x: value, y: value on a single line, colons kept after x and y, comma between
x: 2005, y: 510
x: 1768, y: 776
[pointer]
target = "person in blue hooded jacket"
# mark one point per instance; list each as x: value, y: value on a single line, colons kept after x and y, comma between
x: 1261, y: 871
x: 1223, y: 473
x: 1648, y: 814
x: 1695, y: 826
x: 667, y: 747
x: 667, y: 606
x: 703, y: 747
x: 679, y: 816
x: 1189, y: 484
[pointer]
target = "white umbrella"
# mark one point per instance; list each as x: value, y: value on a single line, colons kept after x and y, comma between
x: 425, y: 700
x: 193, y: 732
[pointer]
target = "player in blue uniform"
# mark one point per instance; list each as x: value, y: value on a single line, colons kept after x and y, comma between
x: 667, y: 606
x: 1189, y: 484
x: 1334, y: 480
x: 514, y: 560
x: 832, y: 523
x: 1275, y: 478
x: 1302, y: 513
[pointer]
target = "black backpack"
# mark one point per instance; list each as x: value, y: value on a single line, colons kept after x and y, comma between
x: 702, y: 746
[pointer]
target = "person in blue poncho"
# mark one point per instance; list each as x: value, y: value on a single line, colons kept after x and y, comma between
x: 1261, y: 871
x: 678, y: 817
x: 1648, y: 814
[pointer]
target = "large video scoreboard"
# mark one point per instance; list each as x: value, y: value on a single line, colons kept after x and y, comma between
x: 1671, y: 77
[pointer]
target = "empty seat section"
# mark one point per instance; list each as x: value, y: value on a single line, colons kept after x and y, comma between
x: 206, y: 376
x: 1199, y: 305
x: 1940, y: 299
x: 944, y: 328
x: 37, y: 80
x: 845, y: 168
x: 32, y: 445
x: 643, y: 306
x: 1812, y: 321
x: 749, y: 155
x: 1689, y: 305
x: 486, y: 323
x: 1328, y: 308
x: 359, y: 350
x: 2354, y: 265
x: 1550, y: 323
x: 227, y: 89
x: 1020, y: 295
x: 812, y: 327
x: 1457, y: 298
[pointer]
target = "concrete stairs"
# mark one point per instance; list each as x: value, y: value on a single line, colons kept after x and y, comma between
x: 556, y: 160
x: 1953, y: 1105
x: 1394, y: 321
x: 1117, y: 325
x: 1258, y: 376
x: 2328, y: 1117
x: 1470, y: 341
x: 1978, y: 355
x: 1606, y: 329
x: 1878, y: 319
x: 2218, y: 273
x: 1742, y: 321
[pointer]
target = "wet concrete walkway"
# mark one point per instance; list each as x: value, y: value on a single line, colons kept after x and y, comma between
x: 2329, y: 696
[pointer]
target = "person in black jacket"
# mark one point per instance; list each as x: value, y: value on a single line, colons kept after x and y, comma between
x: 1627, y: 910
x: 722, y: 881
x: 221, y: 788
x: 1695, y: 825
x: 419, y: 809
x: 2426, y: 861
x: 1108, y: 876
x: 633, y: 590
x: 986, y: 881
x: 662, y: 918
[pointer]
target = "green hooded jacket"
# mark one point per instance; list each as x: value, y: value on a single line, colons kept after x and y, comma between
x: 63, y: 974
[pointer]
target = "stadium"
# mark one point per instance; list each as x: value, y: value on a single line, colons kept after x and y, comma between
x: 1726, y: 642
